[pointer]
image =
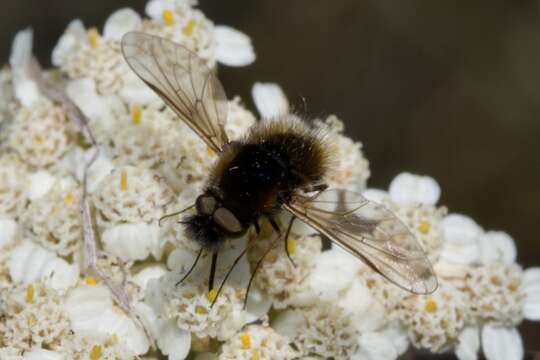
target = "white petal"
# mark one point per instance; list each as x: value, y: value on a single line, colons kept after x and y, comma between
x: 468, y: 344
x: 135, y: 91
x: 8, y: 231
x: 398, y: 336
x: 27, y: 261
x: 375, y: 195
x: 409, y: 188
x: 148, y: 317
x: 126, y: 330
x: 120, y: 22
x: 258, y: 303
x: 97, y: 108
x: 334, y: 272
x: 77, y: 160
x: 181, y: 260
x: 374, y: 346
x: 58, y: 274
x: 461, y: 255
x: 42, y: 354
x: 85, y: 306
x: 501, y: 343
x: 233, y: 47
x: 367, y: 313
x: 497, y: 246
x: 30, y: 262
x: 155, y: 8
x: 26, y: 90
x: 21, y: 49
x: 40, y: 184
x: 131, y: 241
x: 90, y: 310
x: 462, y: 239
x: 148, y: 273
x: 531, y: 287
x: 288, y: 323
x: 153, y: 295
x: 173, y: 341
x: 460, y: 229
x: 72, y: 37
x: 270, y: 100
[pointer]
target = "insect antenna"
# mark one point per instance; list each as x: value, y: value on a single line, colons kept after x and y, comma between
x: 174, y: 214
x: 212, y: 271
x: 257, y: 266
x: 229, y: 273
x: 191, y: 268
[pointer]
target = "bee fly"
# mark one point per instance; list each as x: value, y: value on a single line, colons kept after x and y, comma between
x: 279, y: 165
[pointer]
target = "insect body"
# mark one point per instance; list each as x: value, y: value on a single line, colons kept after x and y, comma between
x: 255, y: 177
x: 280, y: 165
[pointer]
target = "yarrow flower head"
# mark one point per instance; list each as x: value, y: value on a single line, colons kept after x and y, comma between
x: 97, y: 175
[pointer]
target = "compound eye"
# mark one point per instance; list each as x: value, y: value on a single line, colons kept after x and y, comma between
x: 206, y: 204
x: 227, y: 221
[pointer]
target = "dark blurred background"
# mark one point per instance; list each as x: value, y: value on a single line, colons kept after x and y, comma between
x: 444, y: 88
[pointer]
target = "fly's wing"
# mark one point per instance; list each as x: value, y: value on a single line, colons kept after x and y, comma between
x: 183, y: 81
x: 371, y: 232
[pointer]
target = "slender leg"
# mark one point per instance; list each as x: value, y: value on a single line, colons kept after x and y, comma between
x: 174, y: 214
x: 229, y: 273
x: 257, y: 228
x: 257, y: 266
x: 212, y: 271
x: 191, y: 268
x: 274, y: 224
x: 287, y: 240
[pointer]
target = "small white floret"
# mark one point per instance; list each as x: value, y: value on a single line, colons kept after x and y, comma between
x: 407, y: 188
x: 134, y: 241
x: 40, y: 183
x: 270, y: 100
x: 30, y: 263
x: 531, y: 288
x: 68, y: 42
x: 233, y: 47
x: 502, y: 343
x: 121, y: 22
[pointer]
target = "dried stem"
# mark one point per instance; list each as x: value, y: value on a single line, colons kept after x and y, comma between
x: 57, y: 94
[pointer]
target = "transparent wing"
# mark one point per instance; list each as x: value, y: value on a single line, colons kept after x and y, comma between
x: 372, y: 233
x: 183, y: 81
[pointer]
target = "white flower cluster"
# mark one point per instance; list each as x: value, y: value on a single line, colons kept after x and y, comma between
x: 307, y: 300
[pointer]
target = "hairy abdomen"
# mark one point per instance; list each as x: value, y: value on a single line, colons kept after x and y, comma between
x: 257, y: 175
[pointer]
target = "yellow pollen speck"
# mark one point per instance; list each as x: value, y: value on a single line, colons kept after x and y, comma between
x: 246, y: 341
x: 168, y: 17
x: 38, y: 140
x: 123, y: 181
x: 430, y: 306
x: 188, y: 29
x: 291, y: 246
x: 90, y: 280
x: 136, y: 114
x: 424, y: 227
x: 69, y: 198
x: 114, y: 338
x: 211, y: 152
x: 200, y: 310
x: 95, y: 353
x: 212, y: 295
x: 31, y: 319
x: 30, y: 294
x: 255, y: 356
x: 93, y: 36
